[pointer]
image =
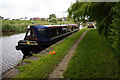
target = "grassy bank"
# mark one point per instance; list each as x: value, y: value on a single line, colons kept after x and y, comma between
x: 92, y: 59
x: 46, y: 64
x: 19, y: 26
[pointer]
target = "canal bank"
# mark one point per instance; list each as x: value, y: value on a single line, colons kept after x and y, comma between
x: 59, y: 70
x: 46, y: 63
x: 93, y: 59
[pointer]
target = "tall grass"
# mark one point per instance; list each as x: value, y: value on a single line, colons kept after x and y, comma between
x: 18, y: 26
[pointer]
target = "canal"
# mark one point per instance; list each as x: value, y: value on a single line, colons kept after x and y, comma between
x: 10, y: 56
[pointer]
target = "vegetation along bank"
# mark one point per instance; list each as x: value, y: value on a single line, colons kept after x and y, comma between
x: 106, y: 15
x: 92, y: 59
x: 10, y: 27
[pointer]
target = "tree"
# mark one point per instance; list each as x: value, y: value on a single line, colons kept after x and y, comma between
x: 52, y: 16
x: 53, y: 20
x: 1, y: 18
x: 31, y: 18
x: 104, y: 13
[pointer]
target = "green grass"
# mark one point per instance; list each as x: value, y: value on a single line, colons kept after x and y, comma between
x: 27, y: 61
x: 92, y: 59
x: 42, y: 67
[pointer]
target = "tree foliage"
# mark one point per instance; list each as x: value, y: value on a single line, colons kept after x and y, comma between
x: 104, y: 13
x: 53, y: 20
x: 52, y: 16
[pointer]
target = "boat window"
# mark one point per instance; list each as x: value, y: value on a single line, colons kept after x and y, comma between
x: 64, y: 29
x: 42, y: 32
x: 55, y: 31
x: 30, y: 34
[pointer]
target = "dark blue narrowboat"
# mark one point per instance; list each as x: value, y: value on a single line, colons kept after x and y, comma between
x: 39, y: 37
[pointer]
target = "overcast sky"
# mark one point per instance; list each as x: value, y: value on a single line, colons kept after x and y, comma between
x: 34, y: 8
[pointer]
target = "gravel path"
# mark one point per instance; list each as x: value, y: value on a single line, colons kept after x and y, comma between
x: 58, y: 71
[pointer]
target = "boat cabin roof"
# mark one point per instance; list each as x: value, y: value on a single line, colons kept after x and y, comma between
x: 54, y: 26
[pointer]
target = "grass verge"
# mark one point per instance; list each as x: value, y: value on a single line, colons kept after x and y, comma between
x: 42, y: 67
x: 27, y: 61
x: 92, y: 59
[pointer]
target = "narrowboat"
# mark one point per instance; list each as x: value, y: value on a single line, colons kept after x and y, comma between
x: 39, y: 37
x: 91, y: 25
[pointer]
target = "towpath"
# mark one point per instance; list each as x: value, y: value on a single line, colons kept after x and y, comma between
x: 59, y: 70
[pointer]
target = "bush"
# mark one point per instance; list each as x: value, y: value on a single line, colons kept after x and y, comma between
x: 60, y: 19
x: 53, y: 20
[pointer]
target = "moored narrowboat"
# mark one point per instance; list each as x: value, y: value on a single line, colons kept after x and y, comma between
x: 38, y: 37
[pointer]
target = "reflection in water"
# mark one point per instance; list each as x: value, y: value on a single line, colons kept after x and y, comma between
x: 11, y: 33
x: 10, y: 56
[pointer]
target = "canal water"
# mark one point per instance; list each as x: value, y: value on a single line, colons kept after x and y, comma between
x: 10, y: 56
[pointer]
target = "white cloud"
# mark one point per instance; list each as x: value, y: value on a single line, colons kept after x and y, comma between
x: 34, y: 8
